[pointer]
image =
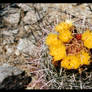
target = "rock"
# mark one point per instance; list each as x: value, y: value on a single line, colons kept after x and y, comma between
x: 12, y: 77
x: 6, y: 33
x: 41, y: 6
x: 30, y: 17
x: 9, y: 50
x: 3, y: 5
x: 24, y: 7
x: 10, y: 32
x: 14, y: 31
x: 12, y: 18
x: 27, y: 46
x: 17, y: 52
x: 8, y: 40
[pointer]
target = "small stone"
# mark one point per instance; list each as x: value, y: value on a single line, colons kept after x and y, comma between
x: 9, y: 50
x: 12, y: 19
x: 26, y: 28
x: 24, y: 7
x: 27, y: 46
x: 17, y: 52
x: 30, y: 18
x: 15, y: 31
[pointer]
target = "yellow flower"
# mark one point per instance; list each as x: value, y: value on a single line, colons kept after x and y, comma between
x: 65, y: 36
x: 88, y: 42
x: 87, y: 38
x: 70, y: 62
x: 52, y: 39
x: 64, y: 31
x: 84, y: 58
x: 85, y: 35
x: 64, y: 26
x: 58, y: 52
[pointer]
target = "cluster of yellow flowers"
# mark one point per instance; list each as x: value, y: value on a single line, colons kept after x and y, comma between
x: 57, y: 48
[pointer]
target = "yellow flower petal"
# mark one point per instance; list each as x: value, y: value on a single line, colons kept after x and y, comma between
x: 52, y: 39
x: 87, y: 38
x: 58, y: 52
x: 63, y: 26
x: 84, y: 58
x: 65, y: 36
x: 70, y: 62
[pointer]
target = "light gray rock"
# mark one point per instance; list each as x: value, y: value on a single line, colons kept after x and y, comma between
x: 9, y: 50
x: 27, y: 46
x: 14, y: 31
x: 12, y: 77
x: 24, y: 7
x: 30, y: 17
x: 12, y: 19
x: 17, y: 52
x: 7, y: 70
x: 9, y: 32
